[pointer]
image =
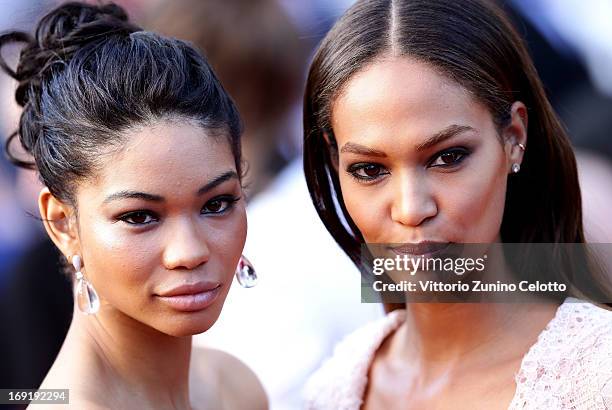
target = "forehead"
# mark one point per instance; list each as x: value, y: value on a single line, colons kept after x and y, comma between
x: 164, y: 155
x: 401, y: 96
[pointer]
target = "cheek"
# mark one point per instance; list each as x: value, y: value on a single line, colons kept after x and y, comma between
x: 474, y: 206
x: 365, y: 205
x: 226, y: 240
x: 117, y: 260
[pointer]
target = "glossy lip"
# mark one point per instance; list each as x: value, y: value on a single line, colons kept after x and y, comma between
x: 191, y: 297
x: 424, y: 248
x: 189, y: 288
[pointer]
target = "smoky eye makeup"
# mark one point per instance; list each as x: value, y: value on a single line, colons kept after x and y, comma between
x: 218, y: 205
x: 447, y: 159
x: 141, y: 217
x: 366, y: 171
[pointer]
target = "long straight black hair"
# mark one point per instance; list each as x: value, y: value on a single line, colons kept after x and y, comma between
x: 474, y: 44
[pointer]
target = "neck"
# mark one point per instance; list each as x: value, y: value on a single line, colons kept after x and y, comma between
x: 442, y: 337
x: 127, y: 355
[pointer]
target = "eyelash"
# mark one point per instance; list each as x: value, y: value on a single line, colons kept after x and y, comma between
x: 229, y: 201
x: 354, y: 168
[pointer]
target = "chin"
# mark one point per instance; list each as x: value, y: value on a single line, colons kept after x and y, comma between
x: 185, y: 328
x: 191, y: 323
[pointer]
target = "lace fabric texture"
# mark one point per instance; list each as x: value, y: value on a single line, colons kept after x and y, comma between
x: 569, y: 366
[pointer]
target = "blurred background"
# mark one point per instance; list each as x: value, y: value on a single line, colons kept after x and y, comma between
x: 308, y: 296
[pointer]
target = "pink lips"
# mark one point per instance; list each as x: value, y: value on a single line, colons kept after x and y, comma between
x: 191, y: 297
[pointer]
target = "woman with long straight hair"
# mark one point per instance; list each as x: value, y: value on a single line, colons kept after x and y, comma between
x: 426, y: 125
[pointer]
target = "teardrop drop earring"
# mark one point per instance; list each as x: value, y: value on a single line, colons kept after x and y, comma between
x: 245, y: 273
x: 84, y: 292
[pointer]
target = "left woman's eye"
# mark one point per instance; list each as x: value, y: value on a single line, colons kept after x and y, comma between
x: 219, y: 205
x: 138, y: 218
x: 449, y: 158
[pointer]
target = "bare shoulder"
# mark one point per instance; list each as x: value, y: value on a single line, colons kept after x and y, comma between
x: 63, y: 375
x: 236, y: 385
x: 240, y: 384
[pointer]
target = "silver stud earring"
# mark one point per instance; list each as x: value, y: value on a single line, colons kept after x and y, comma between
x: 245, y: 273
x: 84, y: 292
x: 516, y: 168
x: 521, y: 146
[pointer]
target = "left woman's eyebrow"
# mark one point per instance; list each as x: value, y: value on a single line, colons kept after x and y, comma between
x: 226, y: 176
x: 218, y: 180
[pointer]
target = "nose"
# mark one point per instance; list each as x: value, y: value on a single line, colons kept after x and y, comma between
x: 186, y: 246
x: 413, y: 202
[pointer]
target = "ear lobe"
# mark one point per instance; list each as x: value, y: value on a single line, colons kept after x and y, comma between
x: 56, y: 218
x: 515, y: 134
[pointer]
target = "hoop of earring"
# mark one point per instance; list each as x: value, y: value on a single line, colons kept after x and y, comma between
x: 245, y: 273
x: 85, y: 295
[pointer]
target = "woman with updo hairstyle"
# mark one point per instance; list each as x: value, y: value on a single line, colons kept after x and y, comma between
x: 137, y: 145
x: 426, y: 126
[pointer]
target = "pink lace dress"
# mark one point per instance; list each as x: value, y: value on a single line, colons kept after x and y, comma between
x: 569, y: 367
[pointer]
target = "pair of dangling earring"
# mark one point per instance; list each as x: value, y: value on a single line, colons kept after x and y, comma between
x: 88, y: 302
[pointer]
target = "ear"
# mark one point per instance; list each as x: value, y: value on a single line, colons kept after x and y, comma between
x: 58, y: 219
x: 332, y: 148
x: 514, y: 134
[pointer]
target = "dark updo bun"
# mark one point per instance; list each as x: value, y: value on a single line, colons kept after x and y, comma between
x: 87, y: 74
x: 59, y: 34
